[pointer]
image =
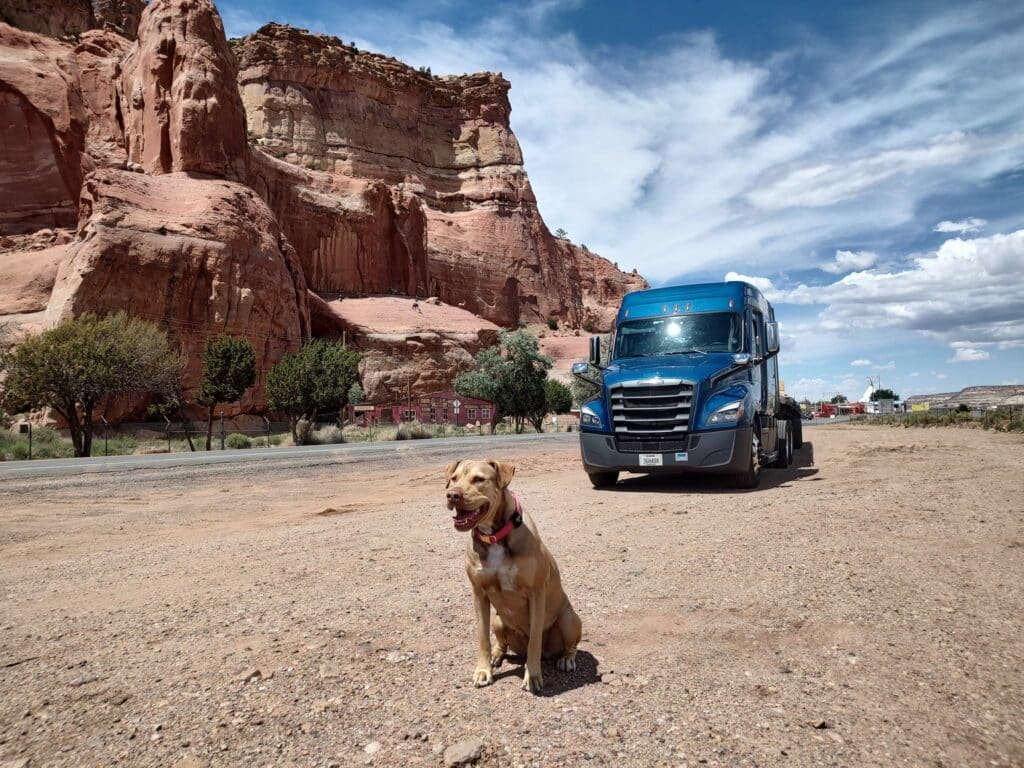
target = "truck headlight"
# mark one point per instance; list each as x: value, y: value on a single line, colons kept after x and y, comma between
x: 589, y: 419
x: 727, y: 414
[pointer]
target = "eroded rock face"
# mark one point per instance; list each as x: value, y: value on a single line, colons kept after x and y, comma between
x: 408, y: 346
x: 122, y: 15
x: 198, y: 257
x: 342, y: 114
x: 99, y: 55
x: 44, y: 123
x: 53, y: 18
x: 179, y: 96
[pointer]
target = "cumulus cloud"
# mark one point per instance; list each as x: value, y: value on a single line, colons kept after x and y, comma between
x: 964, y: 226
x: 965, y: 353
x: 847, y: 261
x: 763, y: 284
x: 860, y: 363
x: 969, y: 293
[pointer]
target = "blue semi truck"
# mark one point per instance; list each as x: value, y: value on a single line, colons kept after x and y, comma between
x: 690, y: 385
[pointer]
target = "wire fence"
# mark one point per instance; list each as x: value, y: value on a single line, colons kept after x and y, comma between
x: 1003, y: 418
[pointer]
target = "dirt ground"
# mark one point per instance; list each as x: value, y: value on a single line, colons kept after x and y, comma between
x: 862, y: 608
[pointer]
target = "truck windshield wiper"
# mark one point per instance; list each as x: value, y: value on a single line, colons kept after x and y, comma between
x: 688, y: 352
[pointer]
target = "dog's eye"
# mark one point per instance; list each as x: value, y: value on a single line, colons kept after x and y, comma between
x: 478, y: 479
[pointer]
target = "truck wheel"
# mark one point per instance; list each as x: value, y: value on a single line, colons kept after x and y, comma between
x: 751, y: 478
x: 785, y: 457
x: 798, y: 432
x: 603, y: 479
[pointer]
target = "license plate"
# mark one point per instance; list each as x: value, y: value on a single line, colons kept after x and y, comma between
x: 650, y: 459
x: 681, y: 456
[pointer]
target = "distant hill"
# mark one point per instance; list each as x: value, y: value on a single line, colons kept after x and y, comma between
x: 976, y: 397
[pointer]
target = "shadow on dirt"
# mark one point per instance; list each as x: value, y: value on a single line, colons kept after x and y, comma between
x: 556, y: 682
x: 802, y: 468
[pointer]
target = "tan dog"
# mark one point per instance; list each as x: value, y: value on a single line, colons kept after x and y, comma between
x: 510, y: 568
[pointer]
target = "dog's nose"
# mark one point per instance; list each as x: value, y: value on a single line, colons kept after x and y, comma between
x: 455, y: 495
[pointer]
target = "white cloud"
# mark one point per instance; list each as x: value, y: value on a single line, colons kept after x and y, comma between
x: 860, y: 363
x: 847, y: 261
x: 966, y: 353
x: 968, y: 293
x: 828, y: 183
x: 887, y: 367
x: 763, y: 284
x: 971, y: 224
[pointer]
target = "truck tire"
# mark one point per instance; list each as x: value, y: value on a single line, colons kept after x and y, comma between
x: 798, y: 432
x: 751, y: 477
x: 603, y: 479
x: 785, y: 456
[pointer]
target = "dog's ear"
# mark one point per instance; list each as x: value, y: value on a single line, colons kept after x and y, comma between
x: 448, y: 472
x: 505, y: 472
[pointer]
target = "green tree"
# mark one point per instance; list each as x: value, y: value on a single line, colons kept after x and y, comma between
x: 510, y: 375
x: 557, y: 396
x: 229, y: 368
x: 884, y: 394
x: 314, y: 380
x: 839, y: 399
x: 84, y: 363
x: 561, y: 234
x: 355, y: 394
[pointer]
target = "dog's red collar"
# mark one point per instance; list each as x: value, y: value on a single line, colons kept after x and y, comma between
x: 513, y: 522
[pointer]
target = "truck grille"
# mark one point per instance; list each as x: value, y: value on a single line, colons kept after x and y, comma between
x: 644, y: 413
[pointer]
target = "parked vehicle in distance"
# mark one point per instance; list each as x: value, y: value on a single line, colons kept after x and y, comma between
x: 691, y: 386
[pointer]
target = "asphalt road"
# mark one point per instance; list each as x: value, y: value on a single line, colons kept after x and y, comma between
x: 304, y: 456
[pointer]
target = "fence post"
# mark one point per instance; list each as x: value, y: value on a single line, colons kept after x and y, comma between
x: 30, y: 441
x: 168, y: 434
x: 222, y: 430
x: 268, y: 430
x: 106, y: 429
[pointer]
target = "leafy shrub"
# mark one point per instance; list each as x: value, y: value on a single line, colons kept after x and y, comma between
x: 553, y: 323
x: 237, y: 441
x: 588, y: 325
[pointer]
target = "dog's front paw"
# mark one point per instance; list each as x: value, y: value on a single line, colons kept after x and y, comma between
x: 482, y: 676
x: 533, y: 683
x: 568, y: 662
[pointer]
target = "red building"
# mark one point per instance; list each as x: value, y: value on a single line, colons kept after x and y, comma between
x: 436, y: 408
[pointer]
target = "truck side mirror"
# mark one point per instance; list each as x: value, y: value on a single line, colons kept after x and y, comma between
x: 582, y: 371
x: 595, y: 351
x: 772, y: 337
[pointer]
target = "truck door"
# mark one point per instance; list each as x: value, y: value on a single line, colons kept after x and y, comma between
x: 768, y: 379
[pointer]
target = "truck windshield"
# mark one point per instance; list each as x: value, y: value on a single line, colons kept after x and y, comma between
x: 707, y: 332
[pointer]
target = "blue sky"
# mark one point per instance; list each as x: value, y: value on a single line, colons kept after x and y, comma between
x: 861, y: 162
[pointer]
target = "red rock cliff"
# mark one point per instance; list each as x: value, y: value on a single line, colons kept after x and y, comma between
x: 128, y: 181
x: 453, y: 169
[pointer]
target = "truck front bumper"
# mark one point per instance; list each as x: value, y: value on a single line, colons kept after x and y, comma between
x: 721, y: 451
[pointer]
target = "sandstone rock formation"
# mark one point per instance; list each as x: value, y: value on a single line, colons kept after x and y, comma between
x: 122, y: 15
x: 408, y: 346
x: 44, y: 124
x: 54, y: 18
x: 99, y: 55
x: 444, y: 147
x: 360, y: 177
x: 180, y: 100
x: 70, y: 18
x: 200, y: 257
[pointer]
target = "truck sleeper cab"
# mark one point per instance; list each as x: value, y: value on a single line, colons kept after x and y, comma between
x: 691, y: 386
